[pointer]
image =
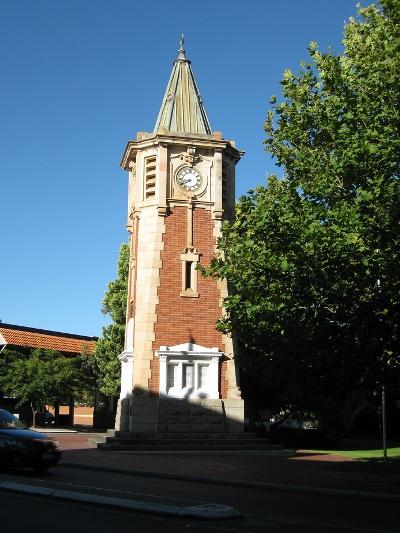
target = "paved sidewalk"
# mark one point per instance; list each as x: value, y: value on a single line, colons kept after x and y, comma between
x: 304, y: 469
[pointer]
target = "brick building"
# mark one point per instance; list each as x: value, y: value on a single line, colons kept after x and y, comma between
x: 25, y: 338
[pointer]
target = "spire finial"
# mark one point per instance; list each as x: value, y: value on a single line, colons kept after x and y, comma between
x: 181, y: 51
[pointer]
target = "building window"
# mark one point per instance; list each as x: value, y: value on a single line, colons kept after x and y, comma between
x: 187, y: 382
x: 150, y: 177
x: 187, y: 377
x: 190, y: 259
x: 188, y: 275
x: 202, y: 377
x: 172, y: 376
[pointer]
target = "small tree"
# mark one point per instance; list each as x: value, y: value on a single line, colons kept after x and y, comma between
x: 42, y: 377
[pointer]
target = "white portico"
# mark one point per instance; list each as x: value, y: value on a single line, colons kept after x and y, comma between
x: 189, y: 371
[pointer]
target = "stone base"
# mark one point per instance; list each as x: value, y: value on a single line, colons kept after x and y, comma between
x: 141, y: 414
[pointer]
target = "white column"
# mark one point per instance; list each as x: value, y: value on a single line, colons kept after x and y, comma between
x: 163, y: 374
x: 130, y: 331
x: 212, y: 378
x: 126, y: 359
x: 179, y: 384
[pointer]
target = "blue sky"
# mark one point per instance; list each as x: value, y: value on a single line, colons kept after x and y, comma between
x: 78, y: 79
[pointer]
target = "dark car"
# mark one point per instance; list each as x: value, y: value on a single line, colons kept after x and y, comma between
x: 22, y: 447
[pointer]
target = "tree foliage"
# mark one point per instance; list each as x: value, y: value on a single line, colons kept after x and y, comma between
x: 312, y: 259
x: 114, y: 301
x: 40, y: 378
x: 111, y: 344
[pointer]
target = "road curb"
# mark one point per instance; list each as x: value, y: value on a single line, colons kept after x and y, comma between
x: 239, y: 483
x: 207, y: 511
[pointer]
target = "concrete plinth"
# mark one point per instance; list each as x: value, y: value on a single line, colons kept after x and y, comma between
x: 143, y: 414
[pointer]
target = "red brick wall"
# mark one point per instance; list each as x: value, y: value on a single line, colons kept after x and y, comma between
x: 223, y: 381
x: 82, y: 414
x: 154, y: 381
x: 181, y: 319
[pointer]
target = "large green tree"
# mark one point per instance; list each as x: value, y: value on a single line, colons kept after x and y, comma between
x: 312, y: 259
x: 111, y: 343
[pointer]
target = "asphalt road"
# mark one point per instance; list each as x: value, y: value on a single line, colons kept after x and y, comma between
x: 22, y: 514
x: 263, y: 510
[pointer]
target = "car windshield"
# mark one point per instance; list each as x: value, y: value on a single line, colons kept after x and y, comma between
x: 9, y: 421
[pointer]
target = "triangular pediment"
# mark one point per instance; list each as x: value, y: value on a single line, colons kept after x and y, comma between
x: 189, y: 349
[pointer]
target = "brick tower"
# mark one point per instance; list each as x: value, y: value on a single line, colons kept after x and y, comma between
x: 177, y: 371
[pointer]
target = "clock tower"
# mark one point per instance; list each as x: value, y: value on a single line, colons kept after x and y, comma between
x: 177, y: 371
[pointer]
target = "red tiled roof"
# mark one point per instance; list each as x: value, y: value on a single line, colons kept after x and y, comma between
x: 50, y: 340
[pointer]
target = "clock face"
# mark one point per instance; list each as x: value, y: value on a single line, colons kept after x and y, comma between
x: 188, y: 179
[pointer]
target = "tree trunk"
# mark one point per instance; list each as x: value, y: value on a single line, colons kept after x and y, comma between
x: 57, y: 414
x: 71, y: 411
x: 353, y: 406
x: 34, y: 411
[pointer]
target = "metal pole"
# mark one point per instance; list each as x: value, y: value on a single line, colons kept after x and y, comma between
x: 384, y: 442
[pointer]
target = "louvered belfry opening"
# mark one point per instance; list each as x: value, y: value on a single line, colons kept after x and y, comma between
x: 150, y: 177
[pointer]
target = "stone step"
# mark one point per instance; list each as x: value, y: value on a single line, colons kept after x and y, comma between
x: 97, y: 439
x: 188, y: 442
x: 187, y: 448
x: 183, y: 436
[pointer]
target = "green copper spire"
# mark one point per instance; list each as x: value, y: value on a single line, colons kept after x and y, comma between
x: 182, y: 109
